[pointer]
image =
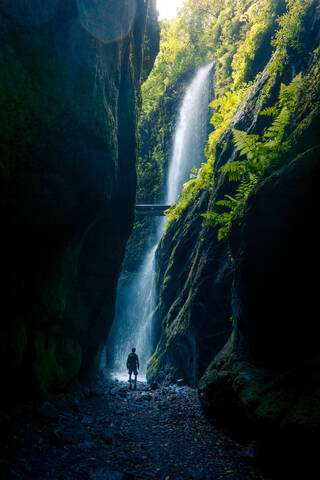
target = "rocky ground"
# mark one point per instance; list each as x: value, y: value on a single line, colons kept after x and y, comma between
x: 112, y: 433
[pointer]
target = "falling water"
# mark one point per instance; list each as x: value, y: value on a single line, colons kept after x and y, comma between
x: 190, y: 134
x: 136, y: 300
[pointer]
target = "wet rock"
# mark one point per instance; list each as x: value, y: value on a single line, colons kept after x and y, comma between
x: 115, y: 391
x: 107, y: 437
x: 180, y: 382
x: 86, y: 445
x: 251, y: 454
x: 70, y: 437
x: 75, y: 405
x: 48, y: 411
x: 147, y: 396
x: 197, y: 475
x: 105, y: 473
x: 119, y: 411
x: 55, y: 438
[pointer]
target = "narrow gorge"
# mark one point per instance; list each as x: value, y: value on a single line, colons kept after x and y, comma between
x: 212, y: 114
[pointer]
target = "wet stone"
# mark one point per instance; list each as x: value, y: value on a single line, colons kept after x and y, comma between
x: 107, y: 437
x: 48, y: 411
x: 55, y: 438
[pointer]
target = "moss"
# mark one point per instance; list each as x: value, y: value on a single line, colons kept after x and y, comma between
x: 305, y: 410
x: 208, y: 378
x: 57, y: 361
x: 155, y: 363
x: 274, y: 405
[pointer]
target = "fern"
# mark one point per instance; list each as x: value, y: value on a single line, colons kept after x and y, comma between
x: 259, y: 154
x: 289, y: 94
x: 276, y: 130
x: 234, y: 170
x: 270, y: 111
x: 244, y: 143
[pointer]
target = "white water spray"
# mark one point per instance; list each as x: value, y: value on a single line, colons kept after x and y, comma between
x: 136, y: 300
x: 190, y: 134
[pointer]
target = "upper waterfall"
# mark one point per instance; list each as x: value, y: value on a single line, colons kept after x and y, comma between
x: 190, y: 134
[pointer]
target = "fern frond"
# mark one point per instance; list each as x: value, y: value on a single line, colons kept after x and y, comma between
x: 211, y: 219
x: 276, y: 130
x: 289, y: 94
x: 244, y: 143
x: 230, y: 198
x: 235, y: 170
x: 225, y: 203
x: 223, y: 232
x: 270, y: 111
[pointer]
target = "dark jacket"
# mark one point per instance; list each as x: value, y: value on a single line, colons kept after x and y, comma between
x: 133, y: 361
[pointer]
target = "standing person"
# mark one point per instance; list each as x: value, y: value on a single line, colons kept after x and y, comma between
x: 133, y: 366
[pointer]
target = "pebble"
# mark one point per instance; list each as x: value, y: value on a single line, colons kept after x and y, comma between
x: 48, y: 411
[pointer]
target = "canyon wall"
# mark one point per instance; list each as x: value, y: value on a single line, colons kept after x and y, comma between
x: 69, y: 91
x: 255, y: 288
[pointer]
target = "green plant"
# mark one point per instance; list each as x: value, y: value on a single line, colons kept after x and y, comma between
x: 259, y: 154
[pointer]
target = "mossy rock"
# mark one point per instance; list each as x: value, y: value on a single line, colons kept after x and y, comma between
x: 57, y: 362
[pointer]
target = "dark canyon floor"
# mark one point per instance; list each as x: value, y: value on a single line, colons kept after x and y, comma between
x: 111, y: 433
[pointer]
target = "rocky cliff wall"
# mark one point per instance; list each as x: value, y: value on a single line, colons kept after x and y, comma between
x: 69, y: 93
x: 265, y: 378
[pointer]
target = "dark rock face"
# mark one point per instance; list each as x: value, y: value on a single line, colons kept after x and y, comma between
x: 69, y: 80
x: 275, y: 247
x: 265, y: 379
x: 192, y: 328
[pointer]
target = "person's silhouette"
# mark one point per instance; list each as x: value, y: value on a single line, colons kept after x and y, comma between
x: 133, y: 366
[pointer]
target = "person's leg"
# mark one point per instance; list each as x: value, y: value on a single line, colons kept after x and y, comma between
x: 135, y: 380
x: 130, y: 373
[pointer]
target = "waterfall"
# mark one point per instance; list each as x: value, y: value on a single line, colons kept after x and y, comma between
x: 136, y: 300
x: 191, y: 133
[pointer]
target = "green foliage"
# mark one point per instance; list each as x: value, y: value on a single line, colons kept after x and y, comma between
x: 227, y: 31
x: 259, y: 154
x: 240, y: 36
x: 291, y: 26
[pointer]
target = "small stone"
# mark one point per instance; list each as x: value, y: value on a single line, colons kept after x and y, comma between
x: 197, y: 475
x: 103, y: 473
x: 55, y: 439
x: 147, y: 396
x: 180, y: 382
x: 86, y: 445
x: 114, y: 391
x: 107, y: 437
x: 70, y: 437
x: 48, y: 411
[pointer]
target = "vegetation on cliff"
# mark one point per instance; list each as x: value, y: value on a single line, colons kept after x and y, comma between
x: 240, y: 37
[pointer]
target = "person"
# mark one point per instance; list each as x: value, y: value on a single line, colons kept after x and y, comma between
x: 133, y: 366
